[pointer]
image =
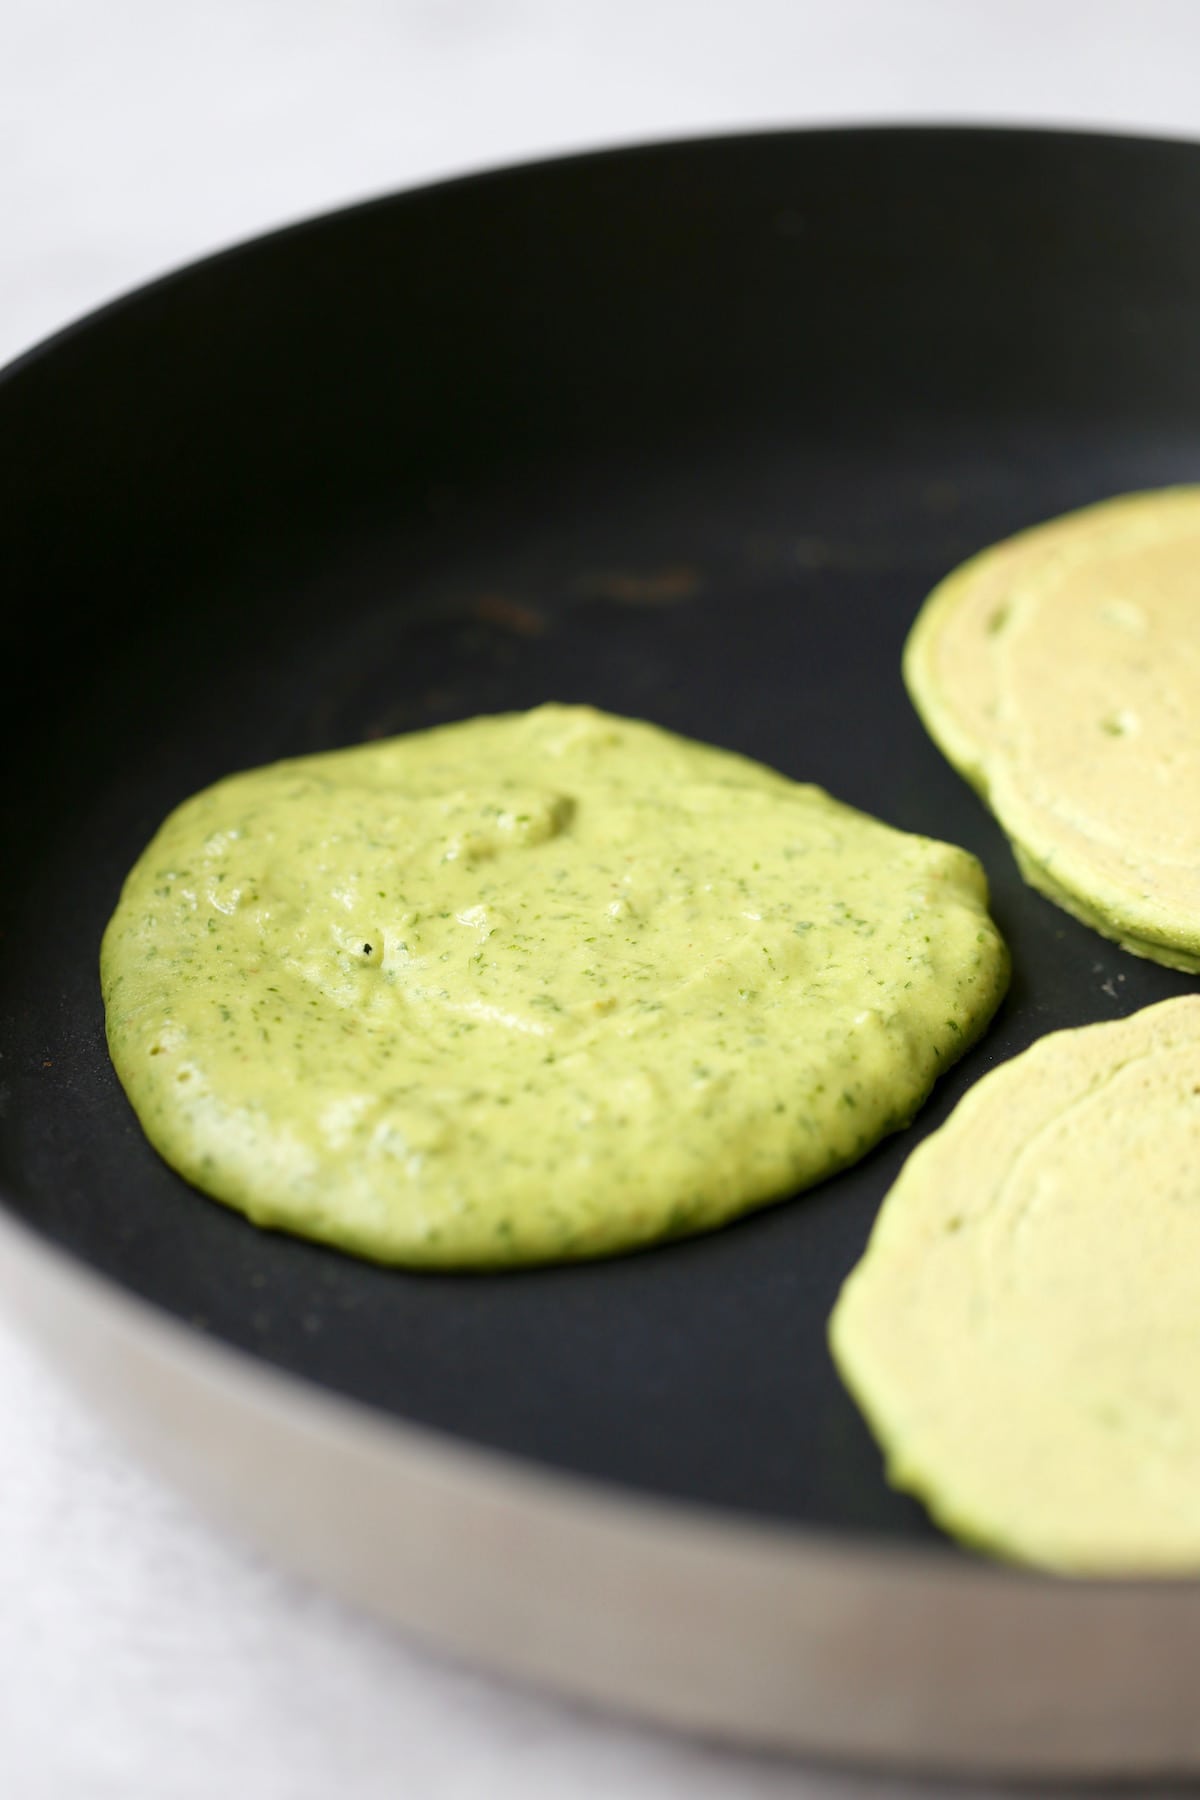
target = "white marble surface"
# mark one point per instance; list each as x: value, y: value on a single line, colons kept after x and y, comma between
x: 144, y: 1655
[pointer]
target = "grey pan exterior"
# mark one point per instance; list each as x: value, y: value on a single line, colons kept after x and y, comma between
x: 774, y: 1638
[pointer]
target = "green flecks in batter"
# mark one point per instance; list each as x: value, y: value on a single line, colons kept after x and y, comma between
x: 537, y: 986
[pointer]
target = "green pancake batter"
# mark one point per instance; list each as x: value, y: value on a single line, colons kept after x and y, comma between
x: 537, y: 986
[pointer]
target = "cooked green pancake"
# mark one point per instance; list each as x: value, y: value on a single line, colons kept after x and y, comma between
x: 1060, y: 672
x: 1023, y: 1331
x: 537, y: 986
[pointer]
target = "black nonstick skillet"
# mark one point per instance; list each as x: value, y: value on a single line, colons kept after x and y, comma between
x: 687, y: 432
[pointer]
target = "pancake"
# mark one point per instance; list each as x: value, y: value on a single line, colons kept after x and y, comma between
x: 535, y: 986
x: 1023, y: 1330
x: 1060, y: 672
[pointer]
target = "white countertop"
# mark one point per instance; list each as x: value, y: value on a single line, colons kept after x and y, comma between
x: 144, y: 1655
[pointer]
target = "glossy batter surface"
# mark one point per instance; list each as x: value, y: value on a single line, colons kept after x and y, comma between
x: 1060, y: 671
x: 1023, y: 1332
x: 535, y: 986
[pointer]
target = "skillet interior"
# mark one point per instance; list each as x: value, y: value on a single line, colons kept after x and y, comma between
x: 685, y: 432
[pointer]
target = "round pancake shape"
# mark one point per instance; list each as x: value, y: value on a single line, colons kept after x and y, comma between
x: 532, y: 987
x: 1023, y: 1330
x: 1060, y: 672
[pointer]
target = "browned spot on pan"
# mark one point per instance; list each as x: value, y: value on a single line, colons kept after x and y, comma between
x: 509, y: 615
x: 633, y: 587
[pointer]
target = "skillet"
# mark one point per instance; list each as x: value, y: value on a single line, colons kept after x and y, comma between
x: 686, y: 432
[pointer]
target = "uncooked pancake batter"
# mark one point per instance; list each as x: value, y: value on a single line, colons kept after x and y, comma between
x: 536, y: 986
